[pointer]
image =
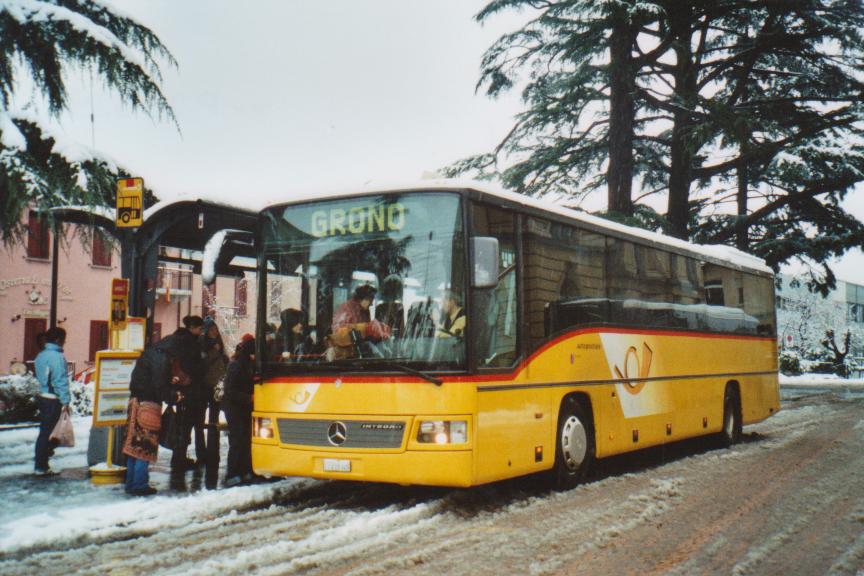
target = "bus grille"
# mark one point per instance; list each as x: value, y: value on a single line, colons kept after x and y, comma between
x: 357, y: 433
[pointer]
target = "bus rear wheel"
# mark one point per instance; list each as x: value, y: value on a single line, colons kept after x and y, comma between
x: 731, y: 432
x: 574, y: 454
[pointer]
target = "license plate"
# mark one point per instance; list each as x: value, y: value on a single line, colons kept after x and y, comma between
x: 337, y: 465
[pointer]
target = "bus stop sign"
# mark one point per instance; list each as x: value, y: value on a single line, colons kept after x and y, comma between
x: 130, y: 199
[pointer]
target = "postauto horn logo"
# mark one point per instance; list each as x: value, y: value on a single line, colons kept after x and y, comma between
x: 635, y: 367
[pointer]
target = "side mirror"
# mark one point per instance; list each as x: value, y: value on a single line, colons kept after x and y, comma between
x: 213, y: 249
x: 484, y: 255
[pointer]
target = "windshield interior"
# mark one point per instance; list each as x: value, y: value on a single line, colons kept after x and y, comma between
x: 368, y: 283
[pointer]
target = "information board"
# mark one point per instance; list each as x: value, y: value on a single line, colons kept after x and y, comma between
x: 111, y: 395
x: 132, y: 338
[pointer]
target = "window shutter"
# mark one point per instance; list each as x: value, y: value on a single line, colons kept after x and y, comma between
x: 98, y: 337
x: 101, y: 249
x: 38, y: 245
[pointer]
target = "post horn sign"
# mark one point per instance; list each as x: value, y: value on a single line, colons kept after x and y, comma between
x: 130, y: 202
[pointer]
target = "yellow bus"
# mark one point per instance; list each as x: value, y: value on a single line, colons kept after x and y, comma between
x: 451, y: 334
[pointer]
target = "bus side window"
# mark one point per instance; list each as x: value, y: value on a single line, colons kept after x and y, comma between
x: 760, y: 303
x: 565, y: 284
x: 494, y: 311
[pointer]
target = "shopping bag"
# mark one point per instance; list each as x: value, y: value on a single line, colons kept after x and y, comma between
x: 63, y: 434
x: 170, y: 430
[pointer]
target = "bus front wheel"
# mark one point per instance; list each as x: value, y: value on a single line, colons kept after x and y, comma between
x: 574, y: 454
x: 731, y: 432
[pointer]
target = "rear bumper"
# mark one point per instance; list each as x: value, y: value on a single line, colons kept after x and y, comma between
x: 430, y: 468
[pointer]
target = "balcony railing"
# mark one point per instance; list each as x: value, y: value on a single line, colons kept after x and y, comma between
x: 174, y: 281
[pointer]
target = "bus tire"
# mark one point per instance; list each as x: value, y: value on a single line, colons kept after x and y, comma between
x: 732, y: 426
x: 574, y: 452
x: 125, y: 217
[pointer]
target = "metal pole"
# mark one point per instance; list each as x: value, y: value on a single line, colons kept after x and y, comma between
x: 55, y: 269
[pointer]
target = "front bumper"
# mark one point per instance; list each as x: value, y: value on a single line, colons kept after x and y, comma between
x: 424, y: 467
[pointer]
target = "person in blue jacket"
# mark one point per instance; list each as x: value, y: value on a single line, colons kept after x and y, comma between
x: 53, y: 395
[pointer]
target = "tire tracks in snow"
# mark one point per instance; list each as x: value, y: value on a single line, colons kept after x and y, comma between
x: 511, y: 527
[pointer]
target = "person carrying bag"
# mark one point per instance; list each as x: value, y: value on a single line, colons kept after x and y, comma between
x: 53, y: 398
x: 150, y: 386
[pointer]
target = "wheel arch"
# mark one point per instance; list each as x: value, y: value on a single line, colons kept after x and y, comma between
x: 581, y: 399
x: 734, y: 386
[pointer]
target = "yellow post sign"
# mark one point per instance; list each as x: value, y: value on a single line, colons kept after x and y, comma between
x: 111, y: 391
x: 119, y: 303
x: 111, y: 400
x: 130, y: 202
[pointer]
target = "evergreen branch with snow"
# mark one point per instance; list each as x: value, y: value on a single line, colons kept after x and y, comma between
x: 41, y: 41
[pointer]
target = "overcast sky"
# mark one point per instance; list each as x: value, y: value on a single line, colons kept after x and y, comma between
x: 277, y: 97
x: 273, y: 97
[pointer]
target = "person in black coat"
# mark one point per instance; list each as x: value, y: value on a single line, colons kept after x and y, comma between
x: 237, y: 404
x: 150, y: 385
x: 189, y: 369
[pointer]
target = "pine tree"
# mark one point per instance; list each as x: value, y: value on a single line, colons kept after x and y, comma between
x: 40, y: 42
x: 789, y: 119
x: 578, y: 132
x: 760, y: 95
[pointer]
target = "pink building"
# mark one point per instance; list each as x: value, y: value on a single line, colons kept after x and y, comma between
x: 86, y: 268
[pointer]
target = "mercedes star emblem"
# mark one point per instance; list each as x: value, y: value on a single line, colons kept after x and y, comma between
x: 337, y: 433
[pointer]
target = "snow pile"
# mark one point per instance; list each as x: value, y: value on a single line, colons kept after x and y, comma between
x: 18, y: 398
x: 131, y: 517
x: 352, y: 533
x: 831, y: 381
x: 211, y: 254
x: 81, y: 392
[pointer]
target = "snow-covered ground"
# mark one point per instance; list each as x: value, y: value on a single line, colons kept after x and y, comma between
x: 296, y: 525
x: 40, y: 510
x: 823, y: 381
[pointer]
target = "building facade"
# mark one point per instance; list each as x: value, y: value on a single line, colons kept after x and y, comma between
x: 88, y: 262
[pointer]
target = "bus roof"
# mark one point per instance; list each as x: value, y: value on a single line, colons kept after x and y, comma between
x: 715, y: 252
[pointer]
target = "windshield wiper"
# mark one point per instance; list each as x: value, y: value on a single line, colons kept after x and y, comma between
x: 413, y: 372
x: 387, y: 363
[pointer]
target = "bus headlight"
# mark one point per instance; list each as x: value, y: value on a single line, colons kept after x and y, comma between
x: 262, y: 428
x: 443, y: 432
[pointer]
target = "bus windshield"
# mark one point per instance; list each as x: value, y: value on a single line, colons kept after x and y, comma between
x: 372, y: 283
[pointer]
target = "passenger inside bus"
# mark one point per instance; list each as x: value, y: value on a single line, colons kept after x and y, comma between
x: 354, y: 333
x: 390, y: 310
x: 292, y: 343
x: 452, y: 324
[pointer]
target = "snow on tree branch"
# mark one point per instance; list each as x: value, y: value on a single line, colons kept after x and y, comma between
x: 40, y: 42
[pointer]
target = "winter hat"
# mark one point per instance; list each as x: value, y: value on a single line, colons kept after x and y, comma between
x: 247, y: 337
